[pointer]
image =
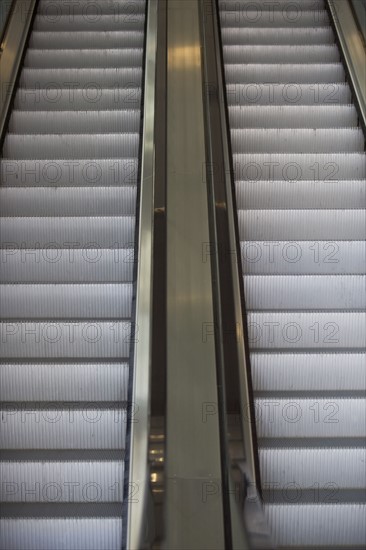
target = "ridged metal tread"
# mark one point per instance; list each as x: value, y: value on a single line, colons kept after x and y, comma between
x: 95, y: 23
x: 293, y: 94
x: 303, y: 257
x: 86, y: 40
x: 69, y: 175
x: 302, y: 229
x: 69, y: 172
x: 88, y: 99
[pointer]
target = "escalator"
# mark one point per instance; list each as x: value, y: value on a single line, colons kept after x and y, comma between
x: 69, y: 199
x: 299, y: 167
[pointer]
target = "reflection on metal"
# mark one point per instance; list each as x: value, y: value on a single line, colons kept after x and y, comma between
x: 138, y: 533
x: 353, y: 49
x: 238, y: 418
x: 194, y: 510
x: 13, y: 47
x: 5, y: 7
x: 359, y: 8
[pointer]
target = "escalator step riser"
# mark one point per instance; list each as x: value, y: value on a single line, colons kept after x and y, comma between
x: 58, y: 428
x: 242, y: 5
x: 320, y: 225
x: 68, y: 533
x: 90, y: 340
x: 281, y: 54
x: 75, y: 122
x: 68, y: 382
x: 285, y: 74
x: 67, y: 59
x: 303, y: 257
x: 313, y: 417
x: 77, y: 201
x: 90, y: 99
x: 291, y: 94
x: 69, y: 173
x: 66, y: 265
x: 311, y: 330
x: 293, y: 116
x: 311, y: 194
x: 315, y: 372
x: 306, y: 292
x: 299, y: 167
x: 313, y: 468
x: 86, y: 40
x: 91, y: 9
x: 94, y: 80
x: 277, y: 36
x: 76, y: 23
x: 70, y: 146
x: 101, y: 232
x: 66, y: 301
x: 266, y: 140
x: 249, y: 17
x: 94, y: 481
x: 302, y: 526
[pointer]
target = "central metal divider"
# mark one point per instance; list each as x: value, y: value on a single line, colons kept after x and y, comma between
x: 194, y: 507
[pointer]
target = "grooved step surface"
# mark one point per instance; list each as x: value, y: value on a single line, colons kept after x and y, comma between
x: 300, y: 168
x: 69, y: 178
x: 67, y: 533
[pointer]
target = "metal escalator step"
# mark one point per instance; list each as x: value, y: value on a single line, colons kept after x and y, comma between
x: 68, y: 533
x: 50, y: 382
x: 301, y: 73
x: 268, y: 140
x: 76, y: 481
x: 310, y: 468
x: 291, y: 94
x: 86, y: 40
x: 67, y: 59
x: 279, y: 225
x: 62, y: 340
x: 69, y: 172
x: 94, y: 79
x: 276, y: 5
x: 76, y: 23
x: 292, y: 116
x: 311, y: 194
x: 308, y: 330
x: 305, y: 292
x: 66, y: 201
x: 90, y: 99
x: 311, y: 417
x: 308, y: 372
x: 91, y: 9
x: 303, y: 525
x: 66, y: 232
x: 304, y: 257
x: 62, y: 427
x: 277, y: 36
x: 75, y: 122
x: 70, y: 146
x: 72, y: 301
x: 298, y: 167
x: 66, y: 265
x: 281, y: 54
x: 253, y: 16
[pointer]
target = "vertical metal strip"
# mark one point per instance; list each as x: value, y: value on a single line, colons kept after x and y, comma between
x: 248, y: 528
x: 139, y: 474
x: 194, y: 514
x: 353, y: 50
x: 13, y: 45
